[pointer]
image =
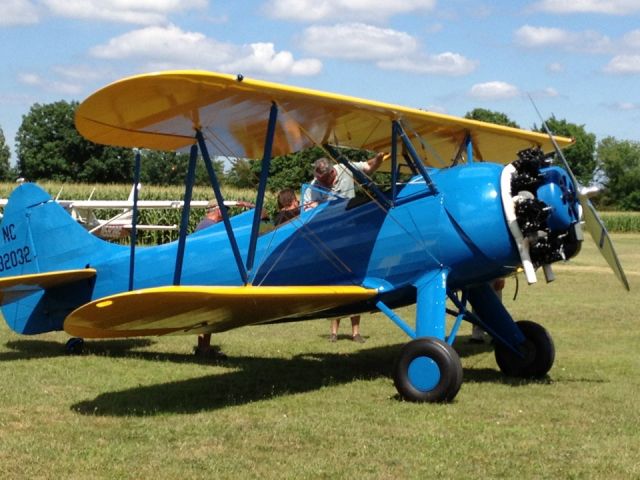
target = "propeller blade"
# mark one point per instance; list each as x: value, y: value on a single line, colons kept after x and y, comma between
x: 598, y: 231
x: 592, y: 220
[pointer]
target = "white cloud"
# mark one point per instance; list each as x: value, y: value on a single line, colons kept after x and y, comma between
x: 18, y: 12
x: 262, y: 58
x: 609, y: 7
x: 446, y: 63
x: 545, y: 37
x: 316, y: 10
x: 357, y: 41
x: 29, y: 79
x: 170, y: 44
x: 81, y: 73
x: 631, y: 40
x: 143, y: 12
x: 625, y: 106
x: 623, y: 64
x: 35, y: 80
x: 389, y: 49
x: 555, y: 67
x: 170, y: 47
x: 495, y: 90
x: 529, y: 36
x: 549, y: 92
x: 436, y: 109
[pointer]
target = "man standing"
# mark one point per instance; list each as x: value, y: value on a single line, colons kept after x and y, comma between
x: 337, y: 181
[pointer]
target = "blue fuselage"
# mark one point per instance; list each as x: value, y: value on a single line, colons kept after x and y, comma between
x: 461, y: 229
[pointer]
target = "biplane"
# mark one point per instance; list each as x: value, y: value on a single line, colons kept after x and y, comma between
x: 467, y: 202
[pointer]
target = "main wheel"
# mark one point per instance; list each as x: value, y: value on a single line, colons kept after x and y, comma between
x: 538, y: 350
x: 428, y: 370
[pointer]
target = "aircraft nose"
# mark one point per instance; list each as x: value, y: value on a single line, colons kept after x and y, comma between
x: 559, y: 194
x: 546, y: 208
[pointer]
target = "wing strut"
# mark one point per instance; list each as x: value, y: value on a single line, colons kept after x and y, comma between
x: 395, y: 170
x: 264, y: 175
x: 399, y: 130
x: 469, y: 143
x: 184, y: 222
x: 134, y: 219
x: 225, y: 215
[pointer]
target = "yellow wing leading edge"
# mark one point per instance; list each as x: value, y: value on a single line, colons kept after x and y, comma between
x: 202, y: 309
x: 162, y: 110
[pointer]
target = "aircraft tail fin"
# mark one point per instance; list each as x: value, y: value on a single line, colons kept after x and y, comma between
x: 38, y: 238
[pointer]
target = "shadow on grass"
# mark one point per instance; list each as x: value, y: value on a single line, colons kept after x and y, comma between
x: 258, y: 378
x: 121, y: 348
x: 249, y: 379
x: 31, y: 349
x: 252, y: 379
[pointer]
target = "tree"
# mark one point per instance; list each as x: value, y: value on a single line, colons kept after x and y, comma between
x: 48, y: 146
x: 170, y: 168
x: 491, y: 116
x: 619, y: 161
x: 6, y: 172
x: 290, y: 171
x: 580, y: 155
x: 241, y: 174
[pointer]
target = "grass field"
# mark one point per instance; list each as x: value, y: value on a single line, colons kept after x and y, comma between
x: 288, y: 404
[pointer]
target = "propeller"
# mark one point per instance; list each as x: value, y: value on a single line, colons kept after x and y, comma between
x: 592, y: 221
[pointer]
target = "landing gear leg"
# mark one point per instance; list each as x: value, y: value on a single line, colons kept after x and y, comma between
x: 428, y: 369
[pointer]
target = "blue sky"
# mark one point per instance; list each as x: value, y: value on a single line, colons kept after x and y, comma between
x: 578, y: 59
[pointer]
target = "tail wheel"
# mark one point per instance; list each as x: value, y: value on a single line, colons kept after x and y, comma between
x: 74, y: 346
x: 538, y: 353
x: 428, y: 370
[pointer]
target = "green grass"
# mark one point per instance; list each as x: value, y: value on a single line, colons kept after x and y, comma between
x: 288, y: 404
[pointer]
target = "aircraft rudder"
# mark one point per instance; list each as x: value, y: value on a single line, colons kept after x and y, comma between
x: 17, y: 252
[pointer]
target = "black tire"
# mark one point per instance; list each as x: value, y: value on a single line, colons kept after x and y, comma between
x: 538, y: 349
x: 428, y: 370
x: 74, y: 346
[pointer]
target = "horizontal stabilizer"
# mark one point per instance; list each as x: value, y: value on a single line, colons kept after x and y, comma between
x: 15, y: 288
x: 202, y: 309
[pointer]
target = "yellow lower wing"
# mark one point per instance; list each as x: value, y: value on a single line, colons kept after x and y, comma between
x: 14, y: 288
x: 194, y: 309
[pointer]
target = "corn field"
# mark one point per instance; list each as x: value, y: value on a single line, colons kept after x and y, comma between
x: 80, y: 191
x: 621, y: 222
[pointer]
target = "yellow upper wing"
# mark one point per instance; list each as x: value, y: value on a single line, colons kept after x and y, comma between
x: 196, y: 309
x: 162, y: 110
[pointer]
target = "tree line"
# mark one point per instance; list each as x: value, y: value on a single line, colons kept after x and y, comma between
x: 48, y: 147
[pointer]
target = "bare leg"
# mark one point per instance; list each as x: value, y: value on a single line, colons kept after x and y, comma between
x: 355, y: 329
x: 335, y: 324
